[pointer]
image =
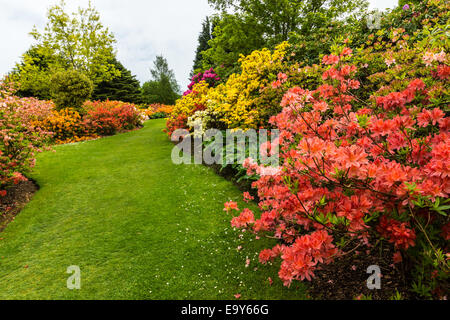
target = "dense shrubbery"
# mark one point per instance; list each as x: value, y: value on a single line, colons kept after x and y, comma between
x: 187, y: 106
x: 209, y: 76
x: 158, y: 111
x: 353, y: 173
x: 163, y: 88
x: 77, y: 41
x: 94, y: 119
x: 28, y: 125
x: 70, y: 89
x: 110, y: 117
x: 232, y: 104
x: 20, y: 138
x: 364, y: 145
x: 68, y: 126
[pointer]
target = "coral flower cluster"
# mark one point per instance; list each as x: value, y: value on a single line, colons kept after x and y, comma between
x: 351, y: 170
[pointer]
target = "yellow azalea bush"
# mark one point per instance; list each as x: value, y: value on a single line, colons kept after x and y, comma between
x: 233, y: 104
x: 187, y: 106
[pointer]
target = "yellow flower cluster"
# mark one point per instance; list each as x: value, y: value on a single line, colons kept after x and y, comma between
x: 192, y: 102
x: 234, y: 104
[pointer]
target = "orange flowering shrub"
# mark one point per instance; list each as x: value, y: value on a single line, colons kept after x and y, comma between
x: 110, y: 117
x: 355, y: 172
x: 157, y: 111
x: 68, y: 126
x: 364, y: 151
x: 107, y: 104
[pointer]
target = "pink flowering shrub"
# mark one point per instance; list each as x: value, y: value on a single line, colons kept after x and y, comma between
x: 355, y: 172
x: 20, y: 138
x: 29, y: 125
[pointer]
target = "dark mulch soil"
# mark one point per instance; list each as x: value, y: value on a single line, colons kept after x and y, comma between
x: 346, y: 278
x: 15, y: 200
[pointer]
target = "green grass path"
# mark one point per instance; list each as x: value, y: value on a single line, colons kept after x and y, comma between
x: 138, y: 226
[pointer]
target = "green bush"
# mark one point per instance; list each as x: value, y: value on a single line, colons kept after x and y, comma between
x: 70, y: 89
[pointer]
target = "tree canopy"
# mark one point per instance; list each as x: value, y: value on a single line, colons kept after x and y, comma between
x: 77, y: 42
x: 122, y: 88
x: 163, y: 87
x: 80, y: 41
x: 203, y: 45
x: 247, y: 25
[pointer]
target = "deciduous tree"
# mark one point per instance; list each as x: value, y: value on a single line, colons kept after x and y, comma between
x: 163, y: 88
x: 79, y: 42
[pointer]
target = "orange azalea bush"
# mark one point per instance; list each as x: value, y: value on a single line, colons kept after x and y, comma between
x: 354, y: 172
x: 68, y: 126
x: 157, y: 110
x: 364, y: 150
x: 110, y: 117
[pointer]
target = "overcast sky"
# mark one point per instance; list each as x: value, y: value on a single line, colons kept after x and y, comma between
x: 143, y: 29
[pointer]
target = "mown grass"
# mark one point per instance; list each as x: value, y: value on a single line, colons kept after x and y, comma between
x: 138, y: 226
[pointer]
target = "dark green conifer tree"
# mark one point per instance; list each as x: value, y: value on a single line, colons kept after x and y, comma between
x: 124, y: 88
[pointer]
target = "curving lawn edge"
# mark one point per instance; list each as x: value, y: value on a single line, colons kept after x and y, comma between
x: 138, y: 226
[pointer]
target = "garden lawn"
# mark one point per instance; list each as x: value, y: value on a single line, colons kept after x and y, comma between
x: 138, y: 226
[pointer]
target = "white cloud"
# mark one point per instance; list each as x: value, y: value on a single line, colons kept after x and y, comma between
x: 143, y: 29
x: 383, y: 4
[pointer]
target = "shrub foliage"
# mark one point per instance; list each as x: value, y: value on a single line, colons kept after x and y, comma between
x: 363, y: 145
x: 70, y: 89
